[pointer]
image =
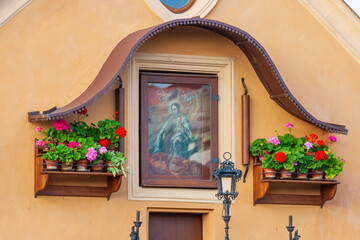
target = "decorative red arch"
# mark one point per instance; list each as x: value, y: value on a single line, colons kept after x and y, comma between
x: 120, y: 57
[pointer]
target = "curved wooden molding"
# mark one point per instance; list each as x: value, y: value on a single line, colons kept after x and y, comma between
x: 120, y: 57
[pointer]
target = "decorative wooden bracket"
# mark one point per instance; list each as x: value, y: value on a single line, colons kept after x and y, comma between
x: 261, y: 187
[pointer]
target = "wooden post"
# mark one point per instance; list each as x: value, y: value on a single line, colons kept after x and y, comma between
x: 120, y: 116
x: 245, y: 107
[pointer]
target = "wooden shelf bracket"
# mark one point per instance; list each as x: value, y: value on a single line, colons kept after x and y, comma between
x: 261, y: 195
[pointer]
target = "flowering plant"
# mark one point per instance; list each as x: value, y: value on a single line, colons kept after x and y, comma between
x: 84, y: 141
x: 260, y: 146
x: 117, y: 163
x: 333, y: 166
x: 67, y: 154
x: 302, y: 154
x: 51, y: 154
x: 111, y: 131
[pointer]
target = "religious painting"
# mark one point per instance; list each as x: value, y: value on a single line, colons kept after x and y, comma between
x: 178, y: 130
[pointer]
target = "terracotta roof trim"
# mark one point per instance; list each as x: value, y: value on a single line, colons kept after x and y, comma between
x: 257, y: 55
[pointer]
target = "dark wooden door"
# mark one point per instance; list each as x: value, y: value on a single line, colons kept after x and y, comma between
x: 175, y: 226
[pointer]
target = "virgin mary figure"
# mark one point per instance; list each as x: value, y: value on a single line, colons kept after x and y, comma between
x: 174, y: 137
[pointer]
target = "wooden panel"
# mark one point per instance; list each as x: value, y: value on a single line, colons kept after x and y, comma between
x: 300, y: 181
x: 40, y: 180
x: 260, y: 188
x: 245, y: 107
x: 120, y: 101
x: 113, y: 185
x: 76, y: 191
x: 290, y: 199
x: 327, y: 193
x: 77, y: 173
x: 175, y: 226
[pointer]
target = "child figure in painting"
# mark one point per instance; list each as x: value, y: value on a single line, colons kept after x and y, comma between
x: 174, y: 137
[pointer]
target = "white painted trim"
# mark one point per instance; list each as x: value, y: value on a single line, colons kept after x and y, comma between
x: 225, y: 70
x: 200, y: 8
x: 339, y: 20
x: 9, y: 9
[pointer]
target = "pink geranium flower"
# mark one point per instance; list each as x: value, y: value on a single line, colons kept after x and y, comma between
x: 40, y: 143
x: 274, y: 140
x: 102, y: 150
x: 60, y: 125
x: 38, y: 129
x: 74, y: 145
x: 332, y: 138
x: 91, y: 154
x: 289, y: 125
x: 308, y: 145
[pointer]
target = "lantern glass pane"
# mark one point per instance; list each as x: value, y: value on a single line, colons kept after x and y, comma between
x: 226, y: 184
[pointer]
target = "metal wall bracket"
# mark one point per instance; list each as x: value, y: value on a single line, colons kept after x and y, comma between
x: 214, y: 97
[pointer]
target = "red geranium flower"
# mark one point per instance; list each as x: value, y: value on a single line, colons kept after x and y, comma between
x: 320, y: 142
x: 320, y: 155
x: 280, y: 157
x: 312, y: 137
x: 104, y: 142
x: 121, y: 132
x: 83, y: 111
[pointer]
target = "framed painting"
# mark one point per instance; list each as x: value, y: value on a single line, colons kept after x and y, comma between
x: 178, y: 130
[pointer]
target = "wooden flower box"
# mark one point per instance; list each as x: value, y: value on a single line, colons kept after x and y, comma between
x: 44, y: 187
x: 262, y: 190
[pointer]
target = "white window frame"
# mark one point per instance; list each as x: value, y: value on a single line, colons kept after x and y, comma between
x: 224, y: 68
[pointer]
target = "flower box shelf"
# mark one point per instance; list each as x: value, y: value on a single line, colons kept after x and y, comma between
x: 78, y: 173
x: 322, y: 182
x: 43, y: 188
x: 262, y: 196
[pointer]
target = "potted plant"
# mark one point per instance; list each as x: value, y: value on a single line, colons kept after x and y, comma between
x: 98, y: 164
x: 333, y: 166
x: 320, y: 156
x: 270, y: 166
x: 85, y: 154
x: 110, y: 133
x: 51, y: 158
x: 86, y: 144
x: 116, y: 163
x: 289, y: 154
x: 59, y: 133
x: 261, y: 148
x: 68, y: 155
x: 302, y: 167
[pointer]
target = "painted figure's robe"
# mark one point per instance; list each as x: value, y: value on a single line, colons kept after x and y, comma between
x: 174, y: 138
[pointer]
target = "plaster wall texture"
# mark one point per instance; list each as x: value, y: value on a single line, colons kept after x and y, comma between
x: 52, y: 50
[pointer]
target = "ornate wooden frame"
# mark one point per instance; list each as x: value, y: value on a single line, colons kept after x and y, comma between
x: 147, y: 180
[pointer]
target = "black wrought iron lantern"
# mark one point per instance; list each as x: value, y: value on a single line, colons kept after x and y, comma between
x: 227, y: 176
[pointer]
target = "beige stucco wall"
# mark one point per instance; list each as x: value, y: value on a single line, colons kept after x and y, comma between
x: 52, y: 50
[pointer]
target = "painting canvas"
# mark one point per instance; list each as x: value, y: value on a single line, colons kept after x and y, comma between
x: 178, y: 130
